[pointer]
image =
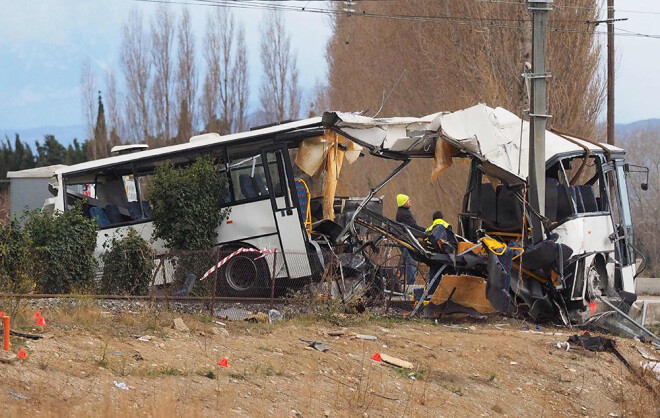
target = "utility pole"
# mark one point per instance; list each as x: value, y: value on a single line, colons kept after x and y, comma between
x: 610, y: 66
x: 538, y: 114
x: 610, y: 72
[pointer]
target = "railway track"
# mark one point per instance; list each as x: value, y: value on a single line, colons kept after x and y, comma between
x: 183, y: 299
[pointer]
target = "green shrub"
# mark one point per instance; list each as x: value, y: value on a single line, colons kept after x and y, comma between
x: 185, y: 206
x: 18, y: 266
x: 127, y: 265
x: 65, y: 244
x: 186, y: 213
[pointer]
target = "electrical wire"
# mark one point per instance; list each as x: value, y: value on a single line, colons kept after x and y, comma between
x: 448, y: 20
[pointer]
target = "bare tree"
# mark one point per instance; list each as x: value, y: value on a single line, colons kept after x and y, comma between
x: 162, y: 39
x: 186, y: 79
x: 88, y: 96
x: 137, y: 68
x: 113, y: 109
x: 452, y: 65
x: 217, y: 98
x: 240, y: 77
x: 280, y: 92
x: 227, y: 98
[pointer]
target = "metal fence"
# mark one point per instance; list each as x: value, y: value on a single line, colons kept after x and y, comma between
x: 378, y: 274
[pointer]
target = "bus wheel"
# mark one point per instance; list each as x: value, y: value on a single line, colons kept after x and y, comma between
x: 244, y: 275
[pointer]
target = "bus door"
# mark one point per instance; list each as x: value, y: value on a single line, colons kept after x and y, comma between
x: 281, y: 188
x: 623, y: 228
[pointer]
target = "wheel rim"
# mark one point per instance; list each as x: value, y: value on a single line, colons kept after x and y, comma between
x: 241, y: 273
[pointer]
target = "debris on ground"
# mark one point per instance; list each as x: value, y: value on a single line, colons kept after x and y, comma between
x: 258, y: 317
x: 18, y: 395
x: 120, y: 385
x: 274, y: 315
x: 144, y: 338
x: 396, y: 361
x: 562, y: 344
x: 651, y: 366
x: 316, y: 345
x: 22, y: 334
x: 220, y: 323
x: 592, y: 343
x: 336, y: 333
x: 180, y: 326
x: 137, y: 356
x: 646, y: 354
x: 366, y: 337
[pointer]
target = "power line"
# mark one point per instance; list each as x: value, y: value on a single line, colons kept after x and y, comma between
x: 486, y: 23
x: 562, y: 6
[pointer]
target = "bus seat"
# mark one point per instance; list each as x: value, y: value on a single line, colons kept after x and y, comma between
x: 260, y: 186
x: 509, y: 209
x: 248, y: 189
x: 588, y: 198
x: 483, y: 203
x: 225, y: 195
x: 551, y: 193
x: 134, y: 211
x: 98, y: 214
x: 564, y: 203
x: 113, y: 214
x: 146, y: 208
x: 303, y: 199
x: 577, y: 196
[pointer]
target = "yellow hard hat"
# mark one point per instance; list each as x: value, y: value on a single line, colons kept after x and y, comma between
x: 401, y: 199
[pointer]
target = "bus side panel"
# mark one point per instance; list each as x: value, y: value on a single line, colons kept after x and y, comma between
x: 587, y: 234
x: 248, y: 220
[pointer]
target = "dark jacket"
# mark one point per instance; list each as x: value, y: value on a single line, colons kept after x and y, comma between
x: 405, y: 216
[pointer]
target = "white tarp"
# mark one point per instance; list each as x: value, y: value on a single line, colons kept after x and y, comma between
x: 494, y: 135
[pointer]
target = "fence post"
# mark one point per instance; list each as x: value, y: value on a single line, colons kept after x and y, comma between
x: 216, y: 259
x: 272, y: 280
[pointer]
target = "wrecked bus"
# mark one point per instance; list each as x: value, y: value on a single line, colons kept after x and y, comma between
x: 588, y: 251
x: 270, y: 208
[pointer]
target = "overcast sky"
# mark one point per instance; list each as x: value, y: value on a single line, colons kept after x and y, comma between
x: 43, y: 44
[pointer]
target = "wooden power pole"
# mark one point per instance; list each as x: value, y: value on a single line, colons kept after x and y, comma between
x: 538, y: 113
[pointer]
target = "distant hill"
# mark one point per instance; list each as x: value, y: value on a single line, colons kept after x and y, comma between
x: 64, y: 134
x: 646, y: 124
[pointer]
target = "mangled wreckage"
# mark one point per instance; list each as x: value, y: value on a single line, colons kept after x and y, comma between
x: 489, y: 262
x: 587, y: 249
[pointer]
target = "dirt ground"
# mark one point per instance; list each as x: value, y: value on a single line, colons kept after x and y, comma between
x: 462, y: 368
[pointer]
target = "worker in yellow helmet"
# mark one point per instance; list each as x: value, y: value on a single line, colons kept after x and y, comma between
x: 404, y: 215
x: 437, y: 220
x: 439, y: 231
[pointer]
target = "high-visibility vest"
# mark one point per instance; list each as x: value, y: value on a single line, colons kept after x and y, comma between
x: 437, y: 222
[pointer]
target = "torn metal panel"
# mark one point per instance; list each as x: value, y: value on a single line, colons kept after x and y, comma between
x: 496, y: 136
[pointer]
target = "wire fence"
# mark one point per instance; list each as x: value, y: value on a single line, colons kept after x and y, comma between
x: 377, y: 274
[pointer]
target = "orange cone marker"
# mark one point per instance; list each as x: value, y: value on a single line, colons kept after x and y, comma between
x: 376, y: 357
x: 21, y: 354
x: 592, y: 305
x: 41, y: 321
x: 36, y: 315
x: 223, y: 362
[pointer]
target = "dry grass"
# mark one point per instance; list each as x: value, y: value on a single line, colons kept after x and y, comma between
x: 272, y: 373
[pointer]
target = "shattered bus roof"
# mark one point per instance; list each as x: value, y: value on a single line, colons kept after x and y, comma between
x: 492, y: 135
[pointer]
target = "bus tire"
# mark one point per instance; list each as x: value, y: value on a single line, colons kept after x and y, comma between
x: 244, y: 275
